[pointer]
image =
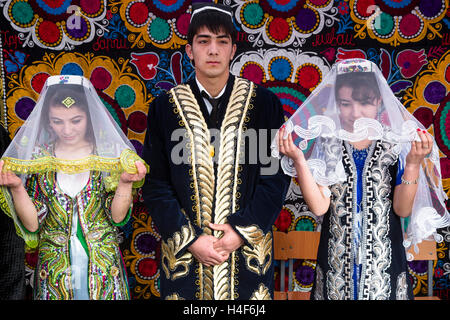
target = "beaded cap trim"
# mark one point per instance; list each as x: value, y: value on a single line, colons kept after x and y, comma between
x: 354, y: 66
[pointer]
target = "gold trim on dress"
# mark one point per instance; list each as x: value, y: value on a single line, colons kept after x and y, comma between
x: 174, y: 296
x: 49, y: 163
x: 90, y: 163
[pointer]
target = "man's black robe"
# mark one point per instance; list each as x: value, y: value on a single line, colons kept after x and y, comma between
x: 197, y: 177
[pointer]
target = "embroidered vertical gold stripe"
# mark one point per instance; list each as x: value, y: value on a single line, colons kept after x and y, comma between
x: 216, y: 282
x: 233, y: 255
x: 201, y: 163
x: 202, y: 170
x: 227, y: 171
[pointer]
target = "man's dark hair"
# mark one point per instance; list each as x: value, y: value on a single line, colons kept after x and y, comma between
x: 215, y: 21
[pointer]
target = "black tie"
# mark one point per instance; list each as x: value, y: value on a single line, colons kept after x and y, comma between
x: 215, y: 107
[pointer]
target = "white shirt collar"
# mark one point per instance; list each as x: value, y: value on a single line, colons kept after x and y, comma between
x: 202, y: 88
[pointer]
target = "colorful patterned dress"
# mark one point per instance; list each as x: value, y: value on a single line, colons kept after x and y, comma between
x: 95, y: 271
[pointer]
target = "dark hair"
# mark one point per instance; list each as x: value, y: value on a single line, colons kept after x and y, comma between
x: 364, y: 85
x: 55, y: 96
x: 214, y: 21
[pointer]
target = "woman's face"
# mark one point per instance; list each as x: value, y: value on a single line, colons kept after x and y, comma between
x: 351, y: 110
x: 69, y: 125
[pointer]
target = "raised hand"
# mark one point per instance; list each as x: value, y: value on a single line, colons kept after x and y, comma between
x: 9, y: 178
x: 405, y: 192
x: 122, y: 197
x: 24, y: 207
x: 287, y: 146
x: 420, y: 149
x: 126, y: 177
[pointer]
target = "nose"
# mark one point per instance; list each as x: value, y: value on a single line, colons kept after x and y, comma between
x: 212, y: 49
x: 356, y: 111
x: 67, y: 129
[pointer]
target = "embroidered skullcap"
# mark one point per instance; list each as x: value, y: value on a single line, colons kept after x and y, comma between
x: 353, y: 65
x: 207, y: 6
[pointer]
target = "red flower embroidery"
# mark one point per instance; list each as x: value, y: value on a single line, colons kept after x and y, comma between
x: 410, y: 62
x: 145, y: 64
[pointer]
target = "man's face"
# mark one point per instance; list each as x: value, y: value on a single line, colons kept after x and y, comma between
x: 211, y: 53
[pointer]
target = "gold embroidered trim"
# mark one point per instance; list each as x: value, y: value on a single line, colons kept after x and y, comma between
x: 230, y: 151
x: 215, y: 282
x: 201, y: 162
x: 114, y: 166
x: 262, y: 248
x: 50, y: 163
x: 227, y: 177
x: 170, y: 249
x: 93, y: 162
x: 261, y: 294
x: 202, y: 171
x: 174, y: 296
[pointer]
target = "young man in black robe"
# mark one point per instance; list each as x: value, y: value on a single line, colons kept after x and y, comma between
x: 213, y: 190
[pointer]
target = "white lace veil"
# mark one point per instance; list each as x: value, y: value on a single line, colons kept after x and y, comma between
x: 31, y: 152
x: 318, y: 131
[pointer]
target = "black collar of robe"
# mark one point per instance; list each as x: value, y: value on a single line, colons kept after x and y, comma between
x: 223, y: 103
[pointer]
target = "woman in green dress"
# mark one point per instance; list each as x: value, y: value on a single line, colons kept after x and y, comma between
x: 67, y: 181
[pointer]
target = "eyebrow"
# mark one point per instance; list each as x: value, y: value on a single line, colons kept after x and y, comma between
x: 73, y: 118
x: 220, y: 36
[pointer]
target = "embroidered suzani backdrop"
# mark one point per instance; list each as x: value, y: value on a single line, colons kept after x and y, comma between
x: 132, y: 50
